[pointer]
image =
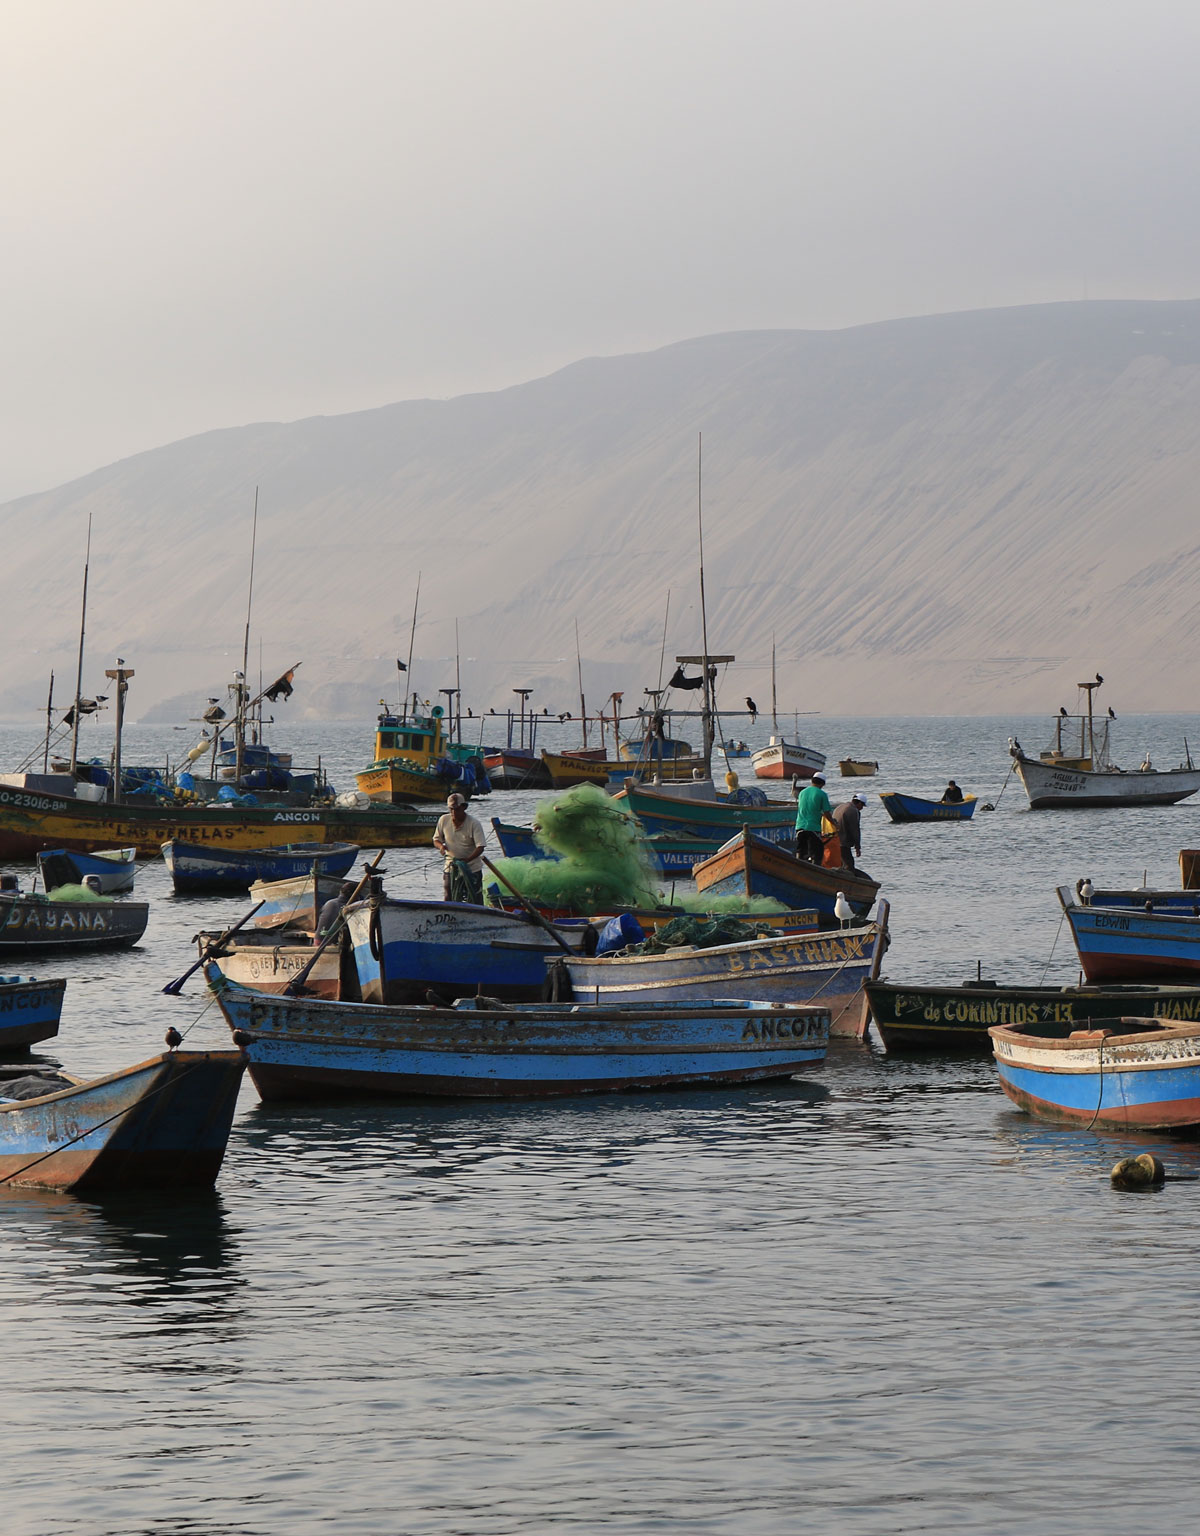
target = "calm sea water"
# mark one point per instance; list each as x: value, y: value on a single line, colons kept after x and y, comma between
x: 877, y: 1301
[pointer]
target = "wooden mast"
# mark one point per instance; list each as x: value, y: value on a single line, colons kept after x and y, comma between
x: 707, y: 694
x: 582, y: 700
x: 79, y: 669
x: 242, y: 690
x: 412, y: 635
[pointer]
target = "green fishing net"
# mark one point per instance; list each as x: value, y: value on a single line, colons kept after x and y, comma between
x: 73, y: 893
x: 600, y: 862
x: 698, y: 933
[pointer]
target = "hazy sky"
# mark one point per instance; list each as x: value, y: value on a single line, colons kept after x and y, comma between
x: 238, y: 210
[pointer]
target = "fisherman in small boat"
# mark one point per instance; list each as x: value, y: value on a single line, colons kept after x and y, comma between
x: 952, y: 795
x: 812, y: 805
x: 332, y: 909
x: 847, y: 818
x: 461, y: 840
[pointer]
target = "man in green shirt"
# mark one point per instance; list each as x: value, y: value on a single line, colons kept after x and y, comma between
x: 812, y: 804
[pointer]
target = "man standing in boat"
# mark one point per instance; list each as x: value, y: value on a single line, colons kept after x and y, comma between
x: 812, y: 805
x: 847, y: 818
x: 460, y: 838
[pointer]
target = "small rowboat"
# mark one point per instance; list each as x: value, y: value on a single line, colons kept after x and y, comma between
x: 485, y: 1049
x: 1123, y: 944
x: 857, y: 768
x: 29, y: 924
x: 913, y: 808
x: 29, y: 1011
x: 750, y: 866
x: 162, y: 1124
x: 1135, y: 1074
x: 114, y: 868
x: 269, y: 961
x: 200, y: 868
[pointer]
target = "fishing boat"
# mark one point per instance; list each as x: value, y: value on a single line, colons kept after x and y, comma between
x: 516, y: 765
x: 294, y: 903
x: 199, y: 869
x: 30, y: 924
x: 782, y: 759
x: 1078, y: 770
x: 1133, y: 1075
x: 858, y: 768
x: 485, y: 1049
x: 669, y: 857
x: 652, y: 918
x: 414, y: 760
x: 566, y: 769
x: 31, y: 823
x: 162, y: 1124
x: 403, y: 949
x: 270, y: 961
x: 1132, y: 945
x: 826, y: 968
x: 902, y: 807
x: 30, y: 1011
x: 937, y: 1018
x: 111, y: 869
x: 695, y: 810
x: 748, y: 865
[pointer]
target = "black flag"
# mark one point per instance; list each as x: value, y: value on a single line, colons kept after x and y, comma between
x: 280, y: 688
x: 400, y: 667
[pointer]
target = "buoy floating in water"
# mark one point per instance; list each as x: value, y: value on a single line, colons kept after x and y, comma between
x: 1143, y: 1172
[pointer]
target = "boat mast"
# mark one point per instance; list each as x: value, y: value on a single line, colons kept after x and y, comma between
x: 120, y: 675
x: 708, y: 699
x: 49, y: 726
x: 524, y: 693
x: 242, y: 691
x: 79, y: 669
x: 579, y: 672
x: 412, y: 635
x: 457, y: 684
x: 774, y: 719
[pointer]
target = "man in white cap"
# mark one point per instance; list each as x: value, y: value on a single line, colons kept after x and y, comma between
x: 812, y: 804
x: 847, y: 818
x: 460, y: 839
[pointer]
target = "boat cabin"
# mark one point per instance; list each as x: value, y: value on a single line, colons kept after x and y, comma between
x: 419, y: 738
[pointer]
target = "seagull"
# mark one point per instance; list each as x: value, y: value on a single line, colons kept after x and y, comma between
x: 1086, y: 891
x: 1099, y: 679
x: 842, y: 909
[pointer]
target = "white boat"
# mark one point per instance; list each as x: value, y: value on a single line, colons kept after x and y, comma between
x: 782, y: 759
x: 1077, y: 770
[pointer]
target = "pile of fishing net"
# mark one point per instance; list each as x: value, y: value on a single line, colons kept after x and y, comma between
x: 73, y: 893
x: 698, y: 933
x: 598, y: 861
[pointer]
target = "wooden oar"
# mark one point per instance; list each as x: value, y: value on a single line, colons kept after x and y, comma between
x: 532, y: 910
x: 173, y: 988
x: 301, y: 976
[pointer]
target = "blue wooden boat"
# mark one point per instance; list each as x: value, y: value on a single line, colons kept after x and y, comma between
x: 485, y: 1049
x: 692, y: 810
x: 749, y: 865
x: 827, y: 968
x: 294, y: 903
x: 29, y: 1011
x: 198, y: 869
x: 113, y: 868
x: 31, y: 924
x: 1117, y: 944
x: 162, y: 1124
x: 403, y: 949
x: 1136, y: 1074
x: 913, y: 808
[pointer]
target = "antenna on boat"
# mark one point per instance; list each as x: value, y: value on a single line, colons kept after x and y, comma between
x: 458, y: 680
x: 524, y: 693
x: 87, y: 559
x: 412, y: 635
x: 662, y: 655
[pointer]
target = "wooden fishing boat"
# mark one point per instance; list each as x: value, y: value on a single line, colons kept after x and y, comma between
x: 30, y: 1011
x: 403, y: 949
x: 567, y: 769
x: 826, y: 968
x: 162, y: 1124
x: 1078, y: 771
x: 515, y: 768
x: 782, y: 759
x: 913, y: 808
x: 705, y: 815
x: 748, y: 865
x: 1128, y: 945
x: 669, y: 856
x: 31, y: 924
x: 1135, y: 1074
x: 269, y: 961
x: 484, y: 1049
x: 203, y: 869
x: 294, y: 903
x: 112, y: 868
x: 31, y: 823
x: 652, y: 918
x: 858, y: 768
x: 415, y: 761
x: 937, y: 1018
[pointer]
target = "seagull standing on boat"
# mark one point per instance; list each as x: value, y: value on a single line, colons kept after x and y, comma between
x: 1086, y: 890
x: 842, y: 910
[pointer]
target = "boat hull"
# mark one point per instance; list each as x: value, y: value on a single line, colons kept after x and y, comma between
x: 163, y: 1124
x: 751, y: 867
x: 29, y: 925
x: 199, y: 869
x: 390, y: 784
x: 29, y: 1012
x: 958, y: 1018
x: 1127, y: 1081
x: 857, y: 768
x: 717, y: 821
x: 61, y: 867
x: 824, y: 968
x: 1132, y: 946
x: 786, y: 760
x: 299, y: 1048
x: 31, y: 823
x: 567, y: 769
x: 1053, y: 786
x: 913, y: 808
x: 272, y: 967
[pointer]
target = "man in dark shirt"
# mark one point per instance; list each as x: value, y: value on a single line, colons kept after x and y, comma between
x: 952, y: 795
x: 332, y: 909
x: 847, y: 819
